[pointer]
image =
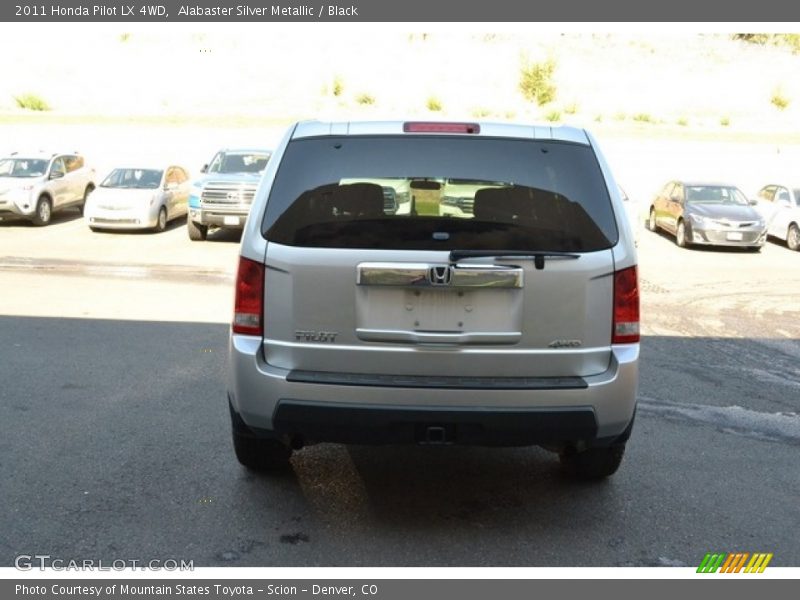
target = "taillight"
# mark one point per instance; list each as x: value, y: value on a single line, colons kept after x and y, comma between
x: 248, y: 307
x: 626, y: 307
x: 437, y: 127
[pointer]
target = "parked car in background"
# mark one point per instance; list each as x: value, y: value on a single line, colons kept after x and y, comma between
x: 139, y: 198
x: 513, y: 324
x: 708, y: 214
x: 34, y: 186
x: 779, y: 204
x: 223, y: 195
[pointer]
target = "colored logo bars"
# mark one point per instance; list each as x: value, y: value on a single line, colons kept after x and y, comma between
x: 734, y: 563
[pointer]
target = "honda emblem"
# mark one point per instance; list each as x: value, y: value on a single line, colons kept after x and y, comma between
x: 440, y: 275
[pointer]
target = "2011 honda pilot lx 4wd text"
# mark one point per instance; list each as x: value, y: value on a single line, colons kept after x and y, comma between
x: 512, y: 322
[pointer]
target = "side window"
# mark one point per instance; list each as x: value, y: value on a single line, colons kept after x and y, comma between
x: 58, y: 166
x: 677, y: 191
x: 782, y: 196
x: 667, y: 191
x: 767, y: 193
x: 73, y: 163
x: 180, y: 175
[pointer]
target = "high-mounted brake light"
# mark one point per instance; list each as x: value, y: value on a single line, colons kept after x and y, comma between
x: 626, y: 307
x: 437, y: 127
x: 248, y: 307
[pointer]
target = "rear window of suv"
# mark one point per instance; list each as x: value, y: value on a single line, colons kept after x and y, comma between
x: 458, y: 192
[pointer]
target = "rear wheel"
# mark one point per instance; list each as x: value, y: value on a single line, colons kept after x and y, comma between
x: 593, y: 463
x: 89, y: 189
x: 261, y: 454
x: 44, y: 211
x: 197, y: 232
x: 257, y: 453
x: 651, y: 221
x: 793, y: 237
x: 680, y: 234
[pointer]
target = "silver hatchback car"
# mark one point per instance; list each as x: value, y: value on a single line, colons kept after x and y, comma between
x: 513, y: 324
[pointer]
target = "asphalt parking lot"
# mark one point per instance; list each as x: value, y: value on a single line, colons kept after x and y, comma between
x: 114, y: 439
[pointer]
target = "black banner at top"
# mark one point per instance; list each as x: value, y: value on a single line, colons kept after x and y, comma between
x: 432, y: 11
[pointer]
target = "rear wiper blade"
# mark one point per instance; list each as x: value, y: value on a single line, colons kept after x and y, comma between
x: 538, y: 257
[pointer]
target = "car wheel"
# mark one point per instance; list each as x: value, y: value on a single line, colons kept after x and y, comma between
x: 592, y: 463
x: 44, y: 212
x: 651, y: 221
x: 197, y: 232
x: 793, y: 237
x: 261, y: 454
x: 89, y: 189
x: 257, y: 453
x: 161, y: 222
x: 680, y: 234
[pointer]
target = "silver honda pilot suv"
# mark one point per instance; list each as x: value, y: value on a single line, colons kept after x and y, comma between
x: 512, y: 321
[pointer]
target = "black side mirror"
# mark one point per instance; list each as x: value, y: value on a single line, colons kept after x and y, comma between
x: 204, y: 169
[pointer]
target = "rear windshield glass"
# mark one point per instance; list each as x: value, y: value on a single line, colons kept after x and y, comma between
x: 439, y: 193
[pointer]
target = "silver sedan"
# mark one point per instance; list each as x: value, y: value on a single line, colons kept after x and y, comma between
x: 138, y: 198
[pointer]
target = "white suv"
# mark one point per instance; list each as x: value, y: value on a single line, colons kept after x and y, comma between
x: 34, y: 186
x: 513, y: 323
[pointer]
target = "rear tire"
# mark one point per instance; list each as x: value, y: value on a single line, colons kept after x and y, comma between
x: 197, y: 232
x: 592, y: 464
x: 257, y: 453
x: 651, y: 221
x: 261, y: 454
x: 793, y: 237
x: 82, y: 208
x: 44, y: 212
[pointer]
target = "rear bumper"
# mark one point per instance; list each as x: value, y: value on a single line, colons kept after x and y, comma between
x: 375, y: 424
x: 372, y: 410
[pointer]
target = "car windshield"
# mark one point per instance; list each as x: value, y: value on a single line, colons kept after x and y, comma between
x: 714, y: 194
x: 239, y: 162
x: 22, y: 167
x: 465, y: 193
x: 148, y: 179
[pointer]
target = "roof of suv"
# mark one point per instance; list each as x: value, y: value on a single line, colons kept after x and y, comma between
x: 530, y: 131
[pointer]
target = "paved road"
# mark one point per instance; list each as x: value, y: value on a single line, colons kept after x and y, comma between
x: 114, y: 438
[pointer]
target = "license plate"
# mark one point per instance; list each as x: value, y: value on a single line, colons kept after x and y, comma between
x: 235, y: 221
x: 734, y: 236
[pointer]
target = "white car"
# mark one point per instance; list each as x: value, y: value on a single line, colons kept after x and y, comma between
x: 780, y: 207
x: 33, y: 186
x: 139, y: 198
